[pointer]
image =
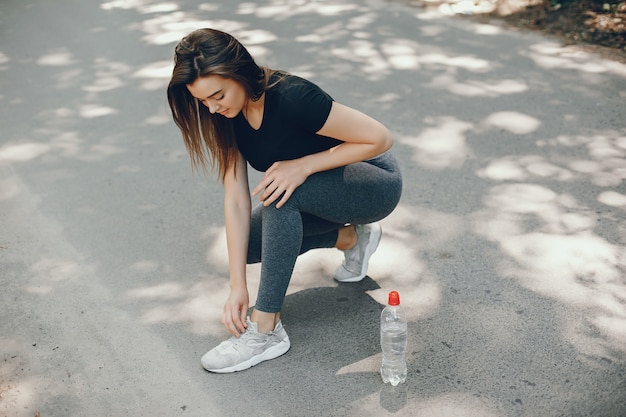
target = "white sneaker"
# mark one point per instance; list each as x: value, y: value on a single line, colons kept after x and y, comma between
x: 354, y: 266
x: 247, y: 350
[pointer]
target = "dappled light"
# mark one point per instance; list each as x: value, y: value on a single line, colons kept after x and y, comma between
x: 51, y: 271
x: 22, y: 152
x: 370, y: 364
x: 551, y: 248
x: 613, y: 199
x: 367, y: 54
x: 467, y: 7
x: 57, y: 270
x: 109, y: 76
x: 170, y: 28
x: 551, y: 55
x: 489, y: 88
x: 523, y: 167
x: 442, y: 146
x: 57, y: 59
x: 457, y: 404
x: 284, y: 9
x: 93, y: 110
x: 3, y: 61
x: 399, y: 265
x: 508, y: 247
x: 466, y: 62
x: 396, y: 265
x: 605, y: 164
x: 514, y: 122
x: 155, y: 76
x: 606, y: 157
x: 487, y: 29
x: 196, y: 306
x: 402, y: 54
x: 142, y: 6
x: 67, y: 79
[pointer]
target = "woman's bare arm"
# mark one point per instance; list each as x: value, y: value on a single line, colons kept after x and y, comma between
x: 363, y: 137
x: 237, y: 210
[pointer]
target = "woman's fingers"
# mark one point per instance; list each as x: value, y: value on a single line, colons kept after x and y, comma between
x: 267, y: 179
x: 286, y: 196
x: 229, y: 325
x: 243, y: 314
x: 279, y: 182
x: 271, y: 194
x: 235, y: 321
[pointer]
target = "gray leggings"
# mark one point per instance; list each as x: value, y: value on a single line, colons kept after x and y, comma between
x: 359, y: 193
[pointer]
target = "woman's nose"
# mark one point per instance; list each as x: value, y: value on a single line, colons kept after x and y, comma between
x: 212, y: 106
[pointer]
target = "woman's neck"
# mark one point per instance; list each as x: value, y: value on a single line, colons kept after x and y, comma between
x: 253, y: 112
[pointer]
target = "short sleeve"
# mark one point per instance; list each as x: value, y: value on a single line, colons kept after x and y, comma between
x: 306, y: 104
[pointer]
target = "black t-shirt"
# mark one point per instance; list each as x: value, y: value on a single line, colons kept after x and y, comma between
x: 294, y: 110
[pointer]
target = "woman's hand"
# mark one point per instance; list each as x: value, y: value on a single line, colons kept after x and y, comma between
x: 281, y: 179
x: 235, y: 311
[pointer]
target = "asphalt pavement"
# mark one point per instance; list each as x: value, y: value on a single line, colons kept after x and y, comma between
x: 508, y: 247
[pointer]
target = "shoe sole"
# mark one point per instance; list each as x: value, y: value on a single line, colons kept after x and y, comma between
x: 375, y: 233
x: 271, y: 353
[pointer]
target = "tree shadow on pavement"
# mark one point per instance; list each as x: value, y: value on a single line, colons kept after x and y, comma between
x: 508, y: 247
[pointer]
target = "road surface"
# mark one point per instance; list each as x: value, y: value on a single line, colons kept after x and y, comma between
x: 508, y: 247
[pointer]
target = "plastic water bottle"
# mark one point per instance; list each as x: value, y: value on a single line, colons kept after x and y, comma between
x: 393, y: 332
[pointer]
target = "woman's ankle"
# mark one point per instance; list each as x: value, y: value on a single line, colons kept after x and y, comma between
x: 266, y: 322
x: 346, y: 238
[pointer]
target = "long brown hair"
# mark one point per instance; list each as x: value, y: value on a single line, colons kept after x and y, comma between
x: 210, y: 137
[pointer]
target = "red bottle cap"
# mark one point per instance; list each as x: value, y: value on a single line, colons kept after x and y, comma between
x: 394, y: 298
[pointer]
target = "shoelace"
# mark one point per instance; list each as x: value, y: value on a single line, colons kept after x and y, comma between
x: 254, y: 335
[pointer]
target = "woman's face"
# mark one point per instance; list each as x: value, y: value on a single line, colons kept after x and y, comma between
x: 224, y: 96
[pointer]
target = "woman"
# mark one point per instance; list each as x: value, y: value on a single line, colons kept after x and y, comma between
x: 327, y: 178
